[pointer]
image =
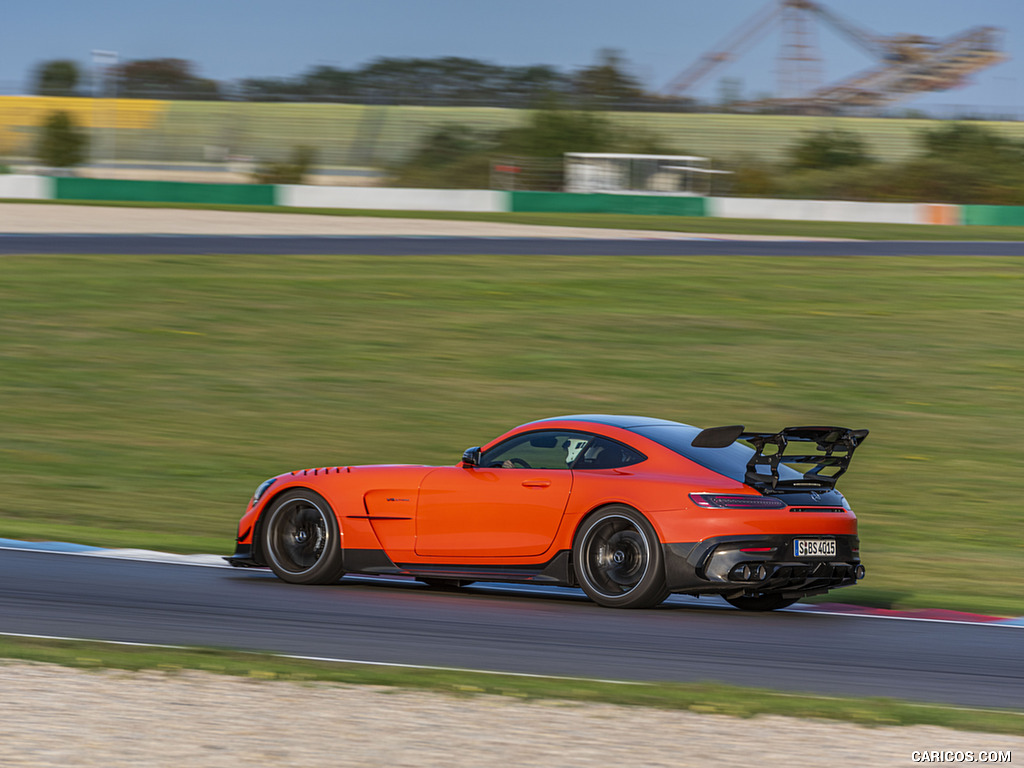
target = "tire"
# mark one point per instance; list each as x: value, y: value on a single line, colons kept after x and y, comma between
x: 301, y: 539
x: 768, y: 602
x: 617, y: 559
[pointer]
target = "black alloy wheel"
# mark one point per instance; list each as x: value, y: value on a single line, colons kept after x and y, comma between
x: 617, y: 559
x: 301, y: 539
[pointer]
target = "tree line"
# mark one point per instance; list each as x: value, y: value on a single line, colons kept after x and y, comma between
x: 953, y: 163
x: 449, y: 80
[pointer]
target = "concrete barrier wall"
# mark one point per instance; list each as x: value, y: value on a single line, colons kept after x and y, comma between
x: 814, y: 210
x: 16, y: 186
x: 387, y: 199
x: 25, y: 187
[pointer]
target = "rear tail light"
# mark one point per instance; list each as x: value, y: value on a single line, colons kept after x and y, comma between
x: 735, y: 501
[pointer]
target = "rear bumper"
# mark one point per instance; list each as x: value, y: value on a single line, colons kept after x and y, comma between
x: 721, y: 565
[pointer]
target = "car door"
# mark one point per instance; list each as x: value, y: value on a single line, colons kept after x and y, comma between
x: 509, y: 506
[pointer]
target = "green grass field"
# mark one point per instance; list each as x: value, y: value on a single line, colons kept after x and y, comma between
x: 144, y: 397
x: 353, y: 134
x: 358, y: 135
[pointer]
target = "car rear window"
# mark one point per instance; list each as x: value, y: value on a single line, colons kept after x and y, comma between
x: 730, y: 461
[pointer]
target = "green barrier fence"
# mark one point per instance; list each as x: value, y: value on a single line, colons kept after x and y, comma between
x: 567, y: 202
x: 993, y: 215
x: 164, y: 192
x: 521, y: 202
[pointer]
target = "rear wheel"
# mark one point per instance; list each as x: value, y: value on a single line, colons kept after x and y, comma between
x: 768, y: 602
x: 301, y: 539
x: 617, y: 559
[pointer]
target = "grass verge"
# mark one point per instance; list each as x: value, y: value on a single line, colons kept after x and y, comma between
x: 705, y: 698
x: 713, y: 226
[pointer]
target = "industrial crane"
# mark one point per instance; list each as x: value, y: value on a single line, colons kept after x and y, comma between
x: 907, y: 64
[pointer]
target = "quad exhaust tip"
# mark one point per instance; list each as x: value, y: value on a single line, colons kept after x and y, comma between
x: 858, y: 572
x: 749, y: 572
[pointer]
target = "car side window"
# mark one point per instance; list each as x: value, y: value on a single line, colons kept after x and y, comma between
x: 602, y: 453
x: 548, y: 449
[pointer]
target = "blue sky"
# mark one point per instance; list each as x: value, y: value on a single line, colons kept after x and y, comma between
x: 267, y: 38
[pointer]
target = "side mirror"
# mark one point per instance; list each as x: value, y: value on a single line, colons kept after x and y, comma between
x: 471, y: 458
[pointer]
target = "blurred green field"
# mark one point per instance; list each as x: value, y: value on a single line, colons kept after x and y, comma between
x: 144, y: 397
x: 356, y: 135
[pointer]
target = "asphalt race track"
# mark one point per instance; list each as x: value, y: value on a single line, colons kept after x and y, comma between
x: 501, y: 629
x: 510, y: 246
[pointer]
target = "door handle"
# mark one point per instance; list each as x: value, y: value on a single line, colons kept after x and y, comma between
x: 536, y: 483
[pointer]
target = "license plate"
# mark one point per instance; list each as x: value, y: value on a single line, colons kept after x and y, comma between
x: 814, y: 547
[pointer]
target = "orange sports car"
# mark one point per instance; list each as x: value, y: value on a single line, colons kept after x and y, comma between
x: 630, y: 509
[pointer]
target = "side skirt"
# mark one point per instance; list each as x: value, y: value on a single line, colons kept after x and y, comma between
x: 555, y: 572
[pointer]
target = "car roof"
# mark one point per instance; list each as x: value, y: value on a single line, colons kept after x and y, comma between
x: 622, y: 422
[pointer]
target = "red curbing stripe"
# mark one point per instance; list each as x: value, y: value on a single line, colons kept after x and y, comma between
x: 935, y: 614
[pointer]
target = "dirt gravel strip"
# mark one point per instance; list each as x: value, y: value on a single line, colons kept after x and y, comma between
x: 22, y: 218
x: 57, y: 717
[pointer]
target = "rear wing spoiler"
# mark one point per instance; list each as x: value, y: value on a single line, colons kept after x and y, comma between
x: 820, y: 465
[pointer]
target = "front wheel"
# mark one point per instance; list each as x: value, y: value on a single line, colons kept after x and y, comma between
x: 767, y: 602
x: 301, y: 539
x: 617, y: 559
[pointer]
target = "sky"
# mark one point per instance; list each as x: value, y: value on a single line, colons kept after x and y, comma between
x: 230, y: 40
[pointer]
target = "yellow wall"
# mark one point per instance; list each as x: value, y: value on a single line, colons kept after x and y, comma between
x: 21, y: 115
